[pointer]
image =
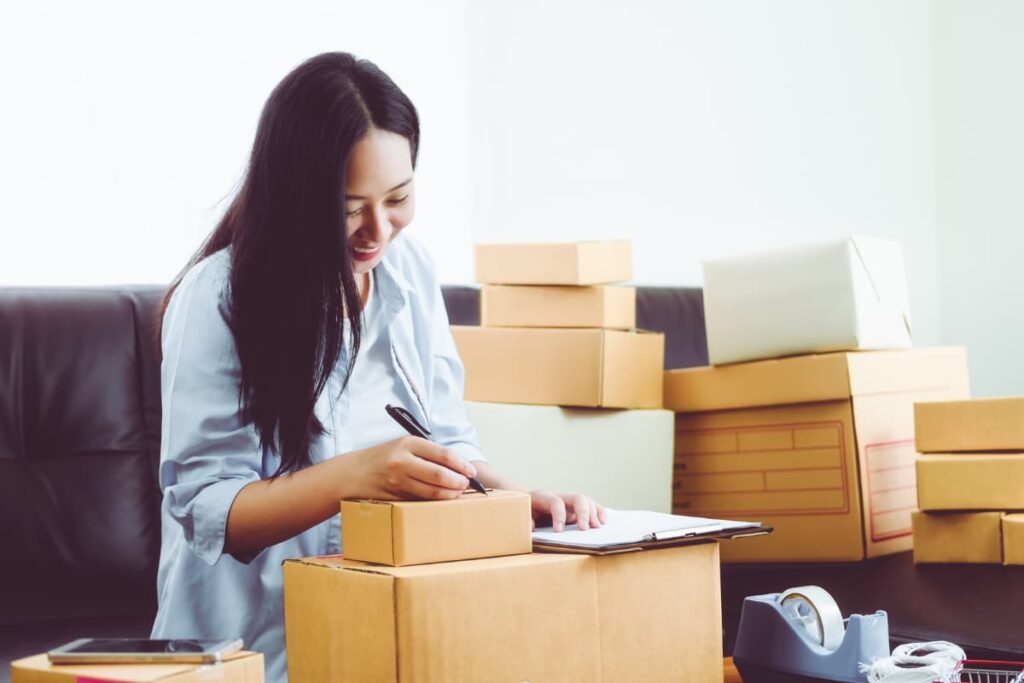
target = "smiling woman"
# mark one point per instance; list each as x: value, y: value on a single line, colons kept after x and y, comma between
x: 305, y: 312
x: 375, y: 210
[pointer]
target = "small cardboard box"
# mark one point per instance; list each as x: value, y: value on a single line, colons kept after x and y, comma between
x: 819, y: 447
x: 994, y: 424
x: 531, y: 306
x: 970, y: 481
x: 535, y: 617
x: 566, y: 263
x: 622, y: 458
x: 848, y: 294
x: 568, y: 367
x: 241, y: 667
x: 958, y: 537
x: 400, y: 533
x: 1013, y: 538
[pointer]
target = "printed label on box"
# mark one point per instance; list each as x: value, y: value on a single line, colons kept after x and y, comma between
x: 782, y: 469
x: 892, y: 488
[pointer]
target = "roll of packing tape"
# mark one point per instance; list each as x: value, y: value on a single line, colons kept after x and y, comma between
x: 816, y: 612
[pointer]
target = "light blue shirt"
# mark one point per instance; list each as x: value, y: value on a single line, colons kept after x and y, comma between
x: 207, y: 453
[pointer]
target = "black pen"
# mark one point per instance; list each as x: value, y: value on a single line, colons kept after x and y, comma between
x: 409, y: 424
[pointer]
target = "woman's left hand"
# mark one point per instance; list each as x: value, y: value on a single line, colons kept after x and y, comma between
x: 566, y: 508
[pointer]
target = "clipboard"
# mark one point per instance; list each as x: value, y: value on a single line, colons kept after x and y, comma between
x: 633, y: 530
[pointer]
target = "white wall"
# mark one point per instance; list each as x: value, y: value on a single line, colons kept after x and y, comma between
x: 979, y: 107
x: 693, y: 127
x: 124, y: 127
x: 700, y: 128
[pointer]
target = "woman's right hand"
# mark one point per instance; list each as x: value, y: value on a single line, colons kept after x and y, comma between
x: 406, y: 468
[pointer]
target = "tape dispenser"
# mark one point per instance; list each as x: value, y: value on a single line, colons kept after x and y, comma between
x: 799, y: 636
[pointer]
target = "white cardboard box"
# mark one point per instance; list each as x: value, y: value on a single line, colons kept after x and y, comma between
x: 621, y: 458
x: 847, y: 294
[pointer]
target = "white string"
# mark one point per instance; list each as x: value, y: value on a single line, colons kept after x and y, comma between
x: 916, y: 663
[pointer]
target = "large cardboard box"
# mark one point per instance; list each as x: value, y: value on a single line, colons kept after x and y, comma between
x: 992, y: 424
x: 958, y: 537
x: 838, y: 295
x: 569, y: 367
x: 819, y: 447
x: 554, y: 263
x: 970, y: 481
x: 1013, y: 538
x: 241, y: 667
x: 653, y: 615
x: 532, y: 306
x: 420, y: 531
x: 622, y: 458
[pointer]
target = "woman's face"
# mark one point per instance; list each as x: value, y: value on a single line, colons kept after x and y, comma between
x: 379, y: 197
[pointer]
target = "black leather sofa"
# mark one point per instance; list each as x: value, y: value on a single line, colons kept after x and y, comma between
x: 79, y: 500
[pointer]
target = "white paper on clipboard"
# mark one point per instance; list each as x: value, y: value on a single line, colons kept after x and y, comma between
x: 636, y: 526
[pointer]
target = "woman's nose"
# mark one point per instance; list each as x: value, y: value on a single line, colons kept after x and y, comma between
x: 377, y: 228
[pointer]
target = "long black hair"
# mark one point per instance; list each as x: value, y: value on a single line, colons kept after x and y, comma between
x: 292, y: 284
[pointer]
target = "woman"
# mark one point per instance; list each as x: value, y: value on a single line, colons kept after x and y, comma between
x: 305, y: 313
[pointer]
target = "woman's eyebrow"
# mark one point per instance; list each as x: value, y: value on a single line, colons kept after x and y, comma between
x: 396, y: 187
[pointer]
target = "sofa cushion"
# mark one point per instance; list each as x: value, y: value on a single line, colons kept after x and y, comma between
x: 79, y: 502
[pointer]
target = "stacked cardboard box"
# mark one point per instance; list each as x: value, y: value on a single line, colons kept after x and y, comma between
x: 563, y: 390
x: 970, y: 473
x: 798, y: 423
x: 403, y: 614
x: 553, y: 332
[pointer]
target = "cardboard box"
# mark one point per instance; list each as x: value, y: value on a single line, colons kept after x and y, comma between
x: 565, y: 263
x: 1013, y: 538
x: 532, y: 617
x: 569, y: 367
x: 241, y: 667
x: 622, y: 458
x: 848, y: 294
x: 407, y: 532
x: 531, y: 306
x: 819, y: 447
x: 961, y: 537
x: 994, y: 424
x: 970, y: 481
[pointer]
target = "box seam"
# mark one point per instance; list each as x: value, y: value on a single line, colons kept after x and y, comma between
x: 394, y: 614
x: 394, y: 542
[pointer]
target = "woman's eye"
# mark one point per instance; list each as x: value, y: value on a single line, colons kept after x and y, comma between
x: 354, y: 212
x: 398, y: 200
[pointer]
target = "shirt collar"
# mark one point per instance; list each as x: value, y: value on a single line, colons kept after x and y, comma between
x: 391, y: 278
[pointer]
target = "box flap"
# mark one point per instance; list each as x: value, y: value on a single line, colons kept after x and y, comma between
x: 339, y: 563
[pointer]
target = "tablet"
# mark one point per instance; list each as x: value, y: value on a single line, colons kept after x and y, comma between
x: 136, y: 650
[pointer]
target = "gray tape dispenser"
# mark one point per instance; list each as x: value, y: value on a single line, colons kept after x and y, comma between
x: 799, y: 636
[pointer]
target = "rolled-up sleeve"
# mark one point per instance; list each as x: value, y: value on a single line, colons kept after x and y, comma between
x: 207, y: 453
